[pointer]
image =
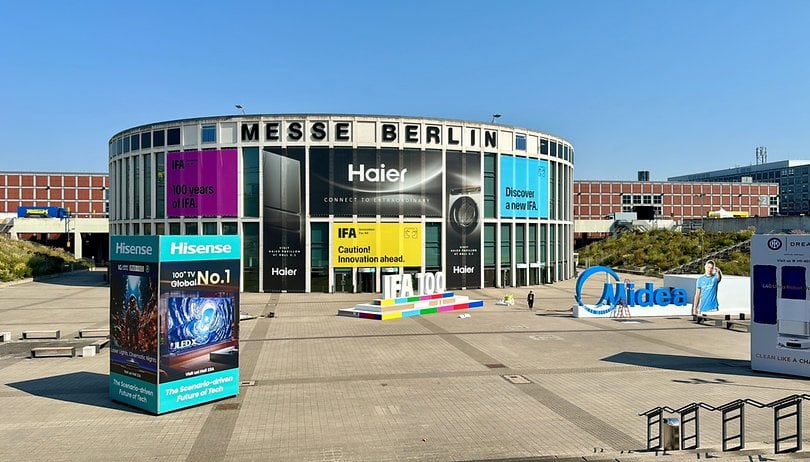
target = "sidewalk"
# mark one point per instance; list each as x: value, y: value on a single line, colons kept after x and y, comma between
x: 504, y: 384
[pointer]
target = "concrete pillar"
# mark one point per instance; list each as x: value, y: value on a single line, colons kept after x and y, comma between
x: 77, y: 244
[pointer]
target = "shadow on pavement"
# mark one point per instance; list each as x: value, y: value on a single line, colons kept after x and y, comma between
x: 687, y: 363
x: 88, y: 388
x: 97, y: 278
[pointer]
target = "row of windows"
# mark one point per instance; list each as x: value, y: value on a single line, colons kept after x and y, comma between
x: 207, y: 134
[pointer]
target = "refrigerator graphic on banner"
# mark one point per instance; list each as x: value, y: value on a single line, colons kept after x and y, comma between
x: 780, y: 328
x: 174, y: 317
x: 284, y: 225
x: 464, y: 215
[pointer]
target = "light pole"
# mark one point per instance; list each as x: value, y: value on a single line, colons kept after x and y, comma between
x: 240, y: 107
x: 495, y: 116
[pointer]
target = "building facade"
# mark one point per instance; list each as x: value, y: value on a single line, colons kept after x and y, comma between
x: 84, y: 194
x: 792, y: 176
x: 330, y: 203
x: 597, y: 203
x: 658, y: 200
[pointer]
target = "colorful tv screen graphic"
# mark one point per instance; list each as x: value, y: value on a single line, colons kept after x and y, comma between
x: 196, y: 323
x: 524, y: 187
x: 202, y: 183
x: 133, y: 319
x: 370, y: 182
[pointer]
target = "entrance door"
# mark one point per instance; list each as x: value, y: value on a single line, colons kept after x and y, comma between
x: 343, y: 280
x: 521, y: 277
x: 366, y: 282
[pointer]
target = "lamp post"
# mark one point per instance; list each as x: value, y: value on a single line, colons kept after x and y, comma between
x: 240, y: 107
x: 495, y: 116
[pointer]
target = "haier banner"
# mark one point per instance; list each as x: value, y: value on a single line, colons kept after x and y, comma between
x: 370, y: 182
x: 174, y: 318
x: 464, y: 216
x: 780, y: 329
x: 524, y: 187
x: 284, y: 225
x: 202, y: 183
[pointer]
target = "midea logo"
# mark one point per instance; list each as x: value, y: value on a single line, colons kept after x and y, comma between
x: 620, y: 292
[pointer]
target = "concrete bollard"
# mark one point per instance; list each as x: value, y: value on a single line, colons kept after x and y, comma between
x: 88, y: 350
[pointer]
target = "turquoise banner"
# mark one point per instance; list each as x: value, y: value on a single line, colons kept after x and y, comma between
x: 199, y: 248
x: 134, y: 248
x: 197, y: 390
x: 134, y: 392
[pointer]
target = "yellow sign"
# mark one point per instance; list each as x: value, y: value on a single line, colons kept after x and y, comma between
x: 376, y: 244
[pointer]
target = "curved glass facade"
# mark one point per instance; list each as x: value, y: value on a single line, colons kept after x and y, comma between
x: 329, y: 203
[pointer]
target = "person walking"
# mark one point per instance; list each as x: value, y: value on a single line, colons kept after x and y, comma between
x: 530, y: 300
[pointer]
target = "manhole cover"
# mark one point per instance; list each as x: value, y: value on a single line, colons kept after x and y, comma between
x: 517, y: 379
x: 495, y: 366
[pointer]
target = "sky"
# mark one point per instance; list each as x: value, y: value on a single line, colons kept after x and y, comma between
x: 672, y: 87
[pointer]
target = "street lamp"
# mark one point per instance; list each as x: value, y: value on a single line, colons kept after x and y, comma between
x: 495, y: 116
x: 240, y: 107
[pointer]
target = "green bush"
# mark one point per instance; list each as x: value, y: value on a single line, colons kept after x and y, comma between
x: 23, y: 259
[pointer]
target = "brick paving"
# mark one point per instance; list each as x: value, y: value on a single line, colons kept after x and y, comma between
x: 329, y: 388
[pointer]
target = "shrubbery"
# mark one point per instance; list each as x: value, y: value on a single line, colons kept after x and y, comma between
x: 657, y: 251
x: 23, y: 259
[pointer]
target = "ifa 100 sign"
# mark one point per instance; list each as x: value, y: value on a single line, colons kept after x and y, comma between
x: 624, y: 298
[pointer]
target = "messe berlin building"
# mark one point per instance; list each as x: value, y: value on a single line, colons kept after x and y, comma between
x: 330, y: 203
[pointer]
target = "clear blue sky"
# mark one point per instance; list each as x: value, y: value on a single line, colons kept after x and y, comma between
x: 673, y: 87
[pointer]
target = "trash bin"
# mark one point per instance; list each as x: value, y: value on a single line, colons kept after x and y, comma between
x: 671, y: 433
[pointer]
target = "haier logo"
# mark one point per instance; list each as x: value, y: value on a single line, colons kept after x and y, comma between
x: 627, y: 294
x: 344, y: 233
x: 463, y: 270
x: 376, y: 175
x: 283, y: 272
x: 184, y: 248
x: 124, y: 249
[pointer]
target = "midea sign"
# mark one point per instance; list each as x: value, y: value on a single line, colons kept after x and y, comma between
x: 626, y: 293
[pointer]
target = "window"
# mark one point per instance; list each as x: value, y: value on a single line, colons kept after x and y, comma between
x: 174, y: 229
x: 210, y: 229
x: 657, y: 200
x: 520, y: 142
x: 627, y: 199
x: 637, y: 198
x: 433, y: 245
x: 160, y: 185
x: 135, y: 143
x: 209, y: 133
x: 191, y: 228
x: 543, y: 146
x: 230, y: 228
x: 554, y: 149
x: 489, y: 185
x: 250, y: 181
x: 146, y: 140
x: 158, y: 138
x: 173, y: 137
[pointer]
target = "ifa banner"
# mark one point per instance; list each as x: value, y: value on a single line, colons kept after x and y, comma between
x: 359, y: 245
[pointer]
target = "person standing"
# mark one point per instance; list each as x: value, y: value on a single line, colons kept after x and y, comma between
x: 530, y: 300
x: 706, y: 291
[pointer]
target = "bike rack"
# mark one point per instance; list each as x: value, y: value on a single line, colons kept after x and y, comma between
x: 785, y: 411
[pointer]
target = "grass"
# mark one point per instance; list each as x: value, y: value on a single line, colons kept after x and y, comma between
x: 657, y: 251
x: 23, y: 259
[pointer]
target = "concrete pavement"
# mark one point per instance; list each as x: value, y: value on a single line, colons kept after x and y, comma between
x: 504, y: 384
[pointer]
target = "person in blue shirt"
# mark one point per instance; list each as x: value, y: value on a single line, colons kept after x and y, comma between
x: 706, y: 291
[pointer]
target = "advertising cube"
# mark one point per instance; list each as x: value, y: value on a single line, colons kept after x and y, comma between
x: 174, y: 320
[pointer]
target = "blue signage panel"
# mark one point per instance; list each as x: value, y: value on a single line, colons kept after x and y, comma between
x: 524, y: 187
x: 134, y: 248
x: 199, y: 248
x: 197, y: 390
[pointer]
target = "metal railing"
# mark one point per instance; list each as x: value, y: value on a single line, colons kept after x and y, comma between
x: 733, y: 423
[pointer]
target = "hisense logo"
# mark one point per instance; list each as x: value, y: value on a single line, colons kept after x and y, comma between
x: 125, y: 249
x: 184, y: 248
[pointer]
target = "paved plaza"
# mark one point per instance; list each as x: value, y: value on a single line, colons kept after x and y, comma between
x: 504, y: 384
